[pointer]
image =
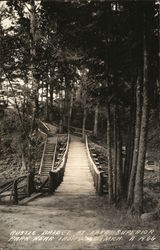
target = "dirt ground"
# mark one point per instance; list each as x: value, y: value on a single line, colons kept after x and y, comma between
x: 72, y: 222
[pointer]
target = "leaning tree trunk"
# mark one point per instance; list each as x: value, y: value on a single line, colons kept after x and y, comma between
x: 96, y: 120
x: 131, y: 152
x: 138, y: 190
x: 109, y: 149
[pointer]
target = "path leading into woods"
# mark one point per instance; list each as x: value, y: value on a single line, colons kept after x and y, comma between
x: 73, y: 218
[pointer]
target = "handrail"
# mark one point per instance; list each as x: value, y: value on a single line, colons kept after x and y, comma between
x: 6, y: 188
x: 42, y: 159
x: 79, y: 130
x: 76, y: 128
x: 9, y: 185
x: 54, y: 124
x: 56, y: 164
x: 42, y: 132
x: 56, y: 176
x: 6, y: 184
x: 44, y: 125
x: 90, y: 158
x: 44, y: 183
x: 54, y: 155
x: 59, y: 162
x: 61, y: 134
x: 13, y: 187
x: 96, y: 173
x: 64, y: 157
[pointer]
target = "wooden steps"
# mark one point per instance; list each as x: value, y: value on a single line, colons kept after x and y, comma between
x: 48, y: 157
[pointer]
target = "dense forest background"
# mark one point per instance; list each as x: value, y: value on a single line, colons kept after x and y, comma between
x: 88, y: 64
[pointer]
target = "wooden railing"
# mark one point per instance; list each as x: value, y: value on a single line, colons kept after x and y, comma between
x: 43, y: 127
x: 78, y: 131
x: 43, y: 134
x: 56, y: 175
x: 54, y: 155
x: 17, y: 190
x: 42, y: 159
x: 62, y: 162
x: 96, y: 173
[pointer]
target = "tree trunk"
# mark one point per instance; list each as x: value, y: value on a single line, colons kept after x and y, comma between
x: 127, y: 155
x: 138, y: 191
x: 61, y: 112
x: 158, y: 102
x: 51, y: 100
x: 110, y: 180
x: 67, y: 104
x: 42, y: 91
x: 131, y: 151
x: 24, y: 167
x: 47, y: 108
x: 115, y: 153
x: 35, y: 93
x: 136, y: 141
x: 84, y: 123
x: 96, y: 120
x: 84, y: 116
x: 119, y: 190
x: 70, y: 110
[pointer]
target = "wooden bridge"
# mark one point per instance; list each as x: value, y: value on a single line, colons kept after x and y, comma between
x: 72, y: 168
x: 68, y: 167
x: 77, y: 178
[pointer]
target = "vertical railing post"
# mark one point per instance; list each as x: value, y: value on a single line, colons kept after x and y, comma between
x: 44, y: 149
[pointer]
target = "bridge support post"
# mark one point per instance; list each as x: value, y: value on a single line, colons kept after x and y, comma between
x: 100, y: 185
x: 51, y: 182
x: 30, y: 183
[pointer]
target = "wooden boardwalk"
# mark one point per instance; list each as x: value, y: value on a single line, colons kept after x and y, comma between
x: 77, y: 178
